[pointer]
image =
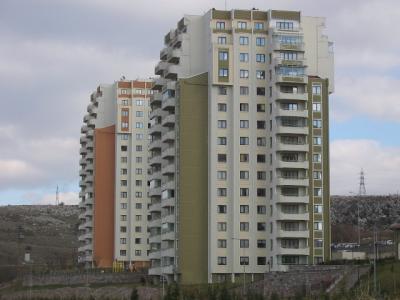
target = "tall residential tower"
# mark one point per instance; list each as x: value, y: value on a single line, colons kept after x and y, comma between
x: 114, y: 202
x: 239, y: 146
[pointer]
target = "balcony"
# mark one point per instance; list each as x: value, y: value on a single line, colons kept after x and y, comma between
x: 173, y: 55
x: 154, y: 223
x: 293, y: 234
x: 292, y: 164
x: 277, y: 45
x: 169, y: 185
x: 168, y: 236
x: 294, y: 251
x: 82, y: 161
x: 292, y: 217
x: 171, y: 85
x: 91, y: 123
x: 293, y: 199
x: 169, y: 252
x: 160, y: 68
x: 292, y: 147
x: 158, y: 83
x: 90, y: 133
x: 292, y: 96
x: 168, y: 136
x: 300, y: 62
x: 169, y: 202
x: 168, y: 121
x: 82, y: 183
x: 155, y: 207
x: 89, y: 145
x: 89, y: 156
x: 172, y: 71
x: 89, y: 179
x: 169, y: 218
x: 168, y: 103
x: 292, y: 181
x: 303, y: 113
x: 168, y: 169
x: 292, y: 79
x: 155, y: 271
x: 168, y: 152
x: 83, y: 139
x: 280, y: 129
x: 154, y: 113
x: 155, y: 191
x: 155, y: 239
x: 84, y: 128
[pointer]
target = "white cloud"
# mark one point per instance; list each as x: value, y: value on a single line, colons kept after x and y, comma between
x: 371, y: 96
x: 14, y: 170
x: 381, y: 166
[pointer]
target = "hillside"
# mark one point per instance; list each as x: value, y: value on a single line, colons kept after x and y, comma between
x: 51, y: 232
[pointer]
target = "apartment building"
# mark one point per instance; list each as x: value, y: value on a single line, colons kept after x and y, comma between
x: 239, y: 146
x: 113, y: 170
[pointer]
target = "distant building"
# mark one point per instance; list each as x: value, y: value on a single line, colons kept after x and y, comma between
x: 114, y: 202
x: 396, y: 228
x: 239, y: 151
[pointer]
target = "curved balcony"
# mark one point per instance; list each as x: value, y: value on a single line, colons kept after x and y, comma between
x: 293, y: 234
x: 168, y: 121
x: 292, y: 164
x: 292, y: 130
x: 292, y: 147
x: 155, y: 191
x: 155, y: 207
x: 303, y: 79
x: 292, y: 181
x: 300, y: 62
x: 156, y: 98
x: 84, y: 128
x: 154, y: 113
x: 168, y: 152
x: 291, y: 96
x: 292, y: 199
x: 155, y: 128
x: 292, y: 113
x: 293, y: 251
x: 158, y: 84
x: 293, y: 217
x: 154, y: 175
x: 171, y: 71
x: 169, y: 202
x: 160, y: 67
x: 168, y: 169
x: 168, y: 103
x: 173, y: 55
x: 155, y: 144
x: 168, y: 136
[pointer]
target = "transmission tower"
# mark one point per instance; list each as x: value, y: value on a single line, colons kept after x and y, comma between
x: 57, y: 196
x: 362, y: 191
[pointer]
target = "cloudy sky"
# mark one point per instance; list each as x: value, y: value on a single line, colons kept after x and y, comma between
x: 53, y: 53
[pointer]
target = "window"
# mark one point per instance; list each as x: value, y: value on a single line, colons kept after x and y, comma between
x: 124, y: 125
x: 220, y: 25
x: 122, y: 241
x: 260, y: 158
x: 138, y: 171
x: 316, y: 107
x: 244, y: 226
x: 261, y: 192
x: 138, y: 217
x: 260, y: 92
x: 221, y: 107
x: 317, y: 158
x: 244, y: 90
x: 223, y: 72
x: 122, y: 229
x: 124, y: 137
x: 258, y: 26
x: 222, y: 40
x: 124, y: 91
x: 244, y: 175
x: 244, y: 157
x: 260, y: 74
x: 261, y: 141
x: 138, y: 252
x: 244, y: 107
x: 139, y: 125
x: 290, y: 106
x: 261, y: 175
x: 124, y: 159
x: 260, y: 58
x: 261, y: 209
x: 244, y: 140
x: 244, y: 192
x: 139, y: 148
x: 261, y: 260
x: 221, y: 260
x: 221, y: 226
x: 244, y: 73
x: 138, y: 182
x: 122, y: 252
x: 317, y: 174
x: 124, y: 171
x: 243, y: 40
x: 221, y: 192
x: 221, y: 123
x: 261, y: 226
x: 244, y: 243
x: 317, y: 225
x: 138, y: 241
x: 260, y: 107
x: 318, y: 243
x: 124, y: 205
x: 261, y: 243
x: 260, y: 41
x: 138, y: 229
x: 223, y: 55
x: 221, y: 158
x: 244, y: 123
x: 317, y: 123
x: 139, y: 159
x: 221, y: 140
x: 317, y: 140
x: 318, y: 208
x: 222, y: 90
x: 244, y: 57
x: 244, y: 209
x: 244, y: 260
x: 221, y: 209
x: 316, y: 90
x: 139, y: 102
x: 242, y: 25
x: 124, y: 113
x: 221, y: 243
x: 221, y: 175
x: 124, y: 102
x: 139, y: 136
x: 317, y: 192
x: 284, y: 25
x: 139, y: 113
x: 124, y: 182
x: 123, y: 218
x: 260, y: 124
x: 138, y: 205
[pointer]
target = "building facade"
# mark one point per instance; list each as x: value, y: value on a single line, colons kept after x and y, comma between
x: 239, y: 146
x: 114, y: 201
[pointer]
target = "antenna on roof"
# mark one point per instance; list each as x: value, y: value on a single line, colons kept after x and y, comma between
x: 362, y: 191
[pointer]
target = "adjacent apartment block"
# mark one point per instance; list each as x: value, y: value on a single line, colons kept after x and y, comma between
x: 239, y: 146
x: 113, y: 170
